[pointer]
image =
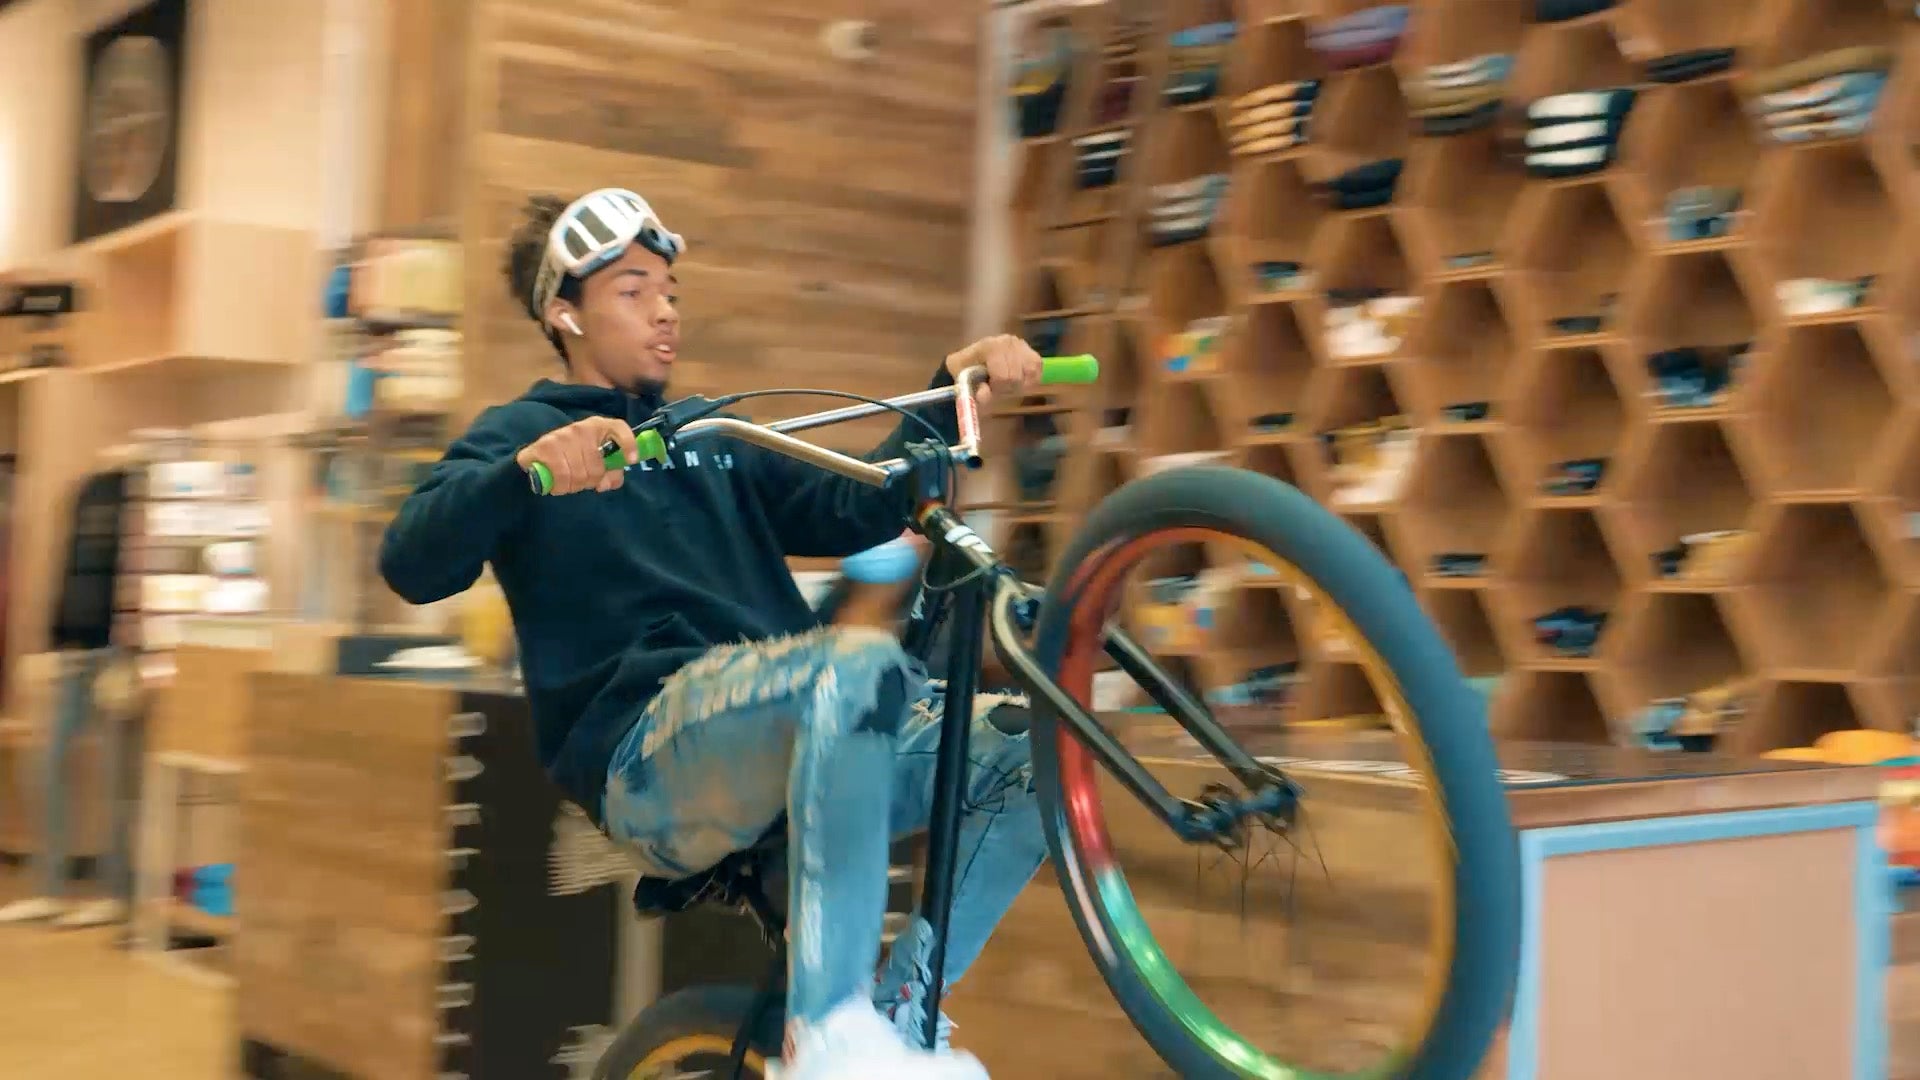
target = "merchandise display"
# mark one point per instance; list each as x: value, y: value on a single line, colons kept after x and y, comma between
x: 1458, y: 97
x: 1272, y: 118
x: 1616, y: 375
x: 193, y: 539
x: 1368, y: 36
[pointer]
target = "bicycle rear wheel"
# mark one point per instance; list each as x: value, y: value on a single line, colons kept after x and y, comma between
x: 1443, y: 732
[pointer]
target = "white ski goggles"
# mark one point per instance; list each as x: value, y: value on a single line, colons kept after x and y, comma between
x: 595, y: 230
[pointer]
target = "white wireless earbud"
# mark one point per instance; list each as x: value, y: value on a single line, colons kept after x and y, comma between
x: 567, y: 317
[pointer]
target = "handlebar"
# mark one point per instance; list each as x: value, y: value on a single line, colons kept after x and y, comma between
x: 652, y: 436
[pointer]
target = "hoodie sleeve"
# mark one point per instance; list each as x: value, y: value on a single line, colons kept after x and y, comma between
x: 447, y: 529
x: 821, y: 514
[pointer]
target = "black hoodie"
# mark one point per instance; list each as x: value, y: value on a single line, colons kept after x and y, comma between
x: 613, y: 592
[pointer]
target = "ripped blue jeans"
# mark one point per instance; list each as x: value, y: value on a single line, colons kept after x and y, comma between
x: 839, y: 729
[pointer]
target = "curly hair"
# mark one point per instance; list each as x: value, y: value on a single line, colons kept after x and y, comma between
x: 525, y: 249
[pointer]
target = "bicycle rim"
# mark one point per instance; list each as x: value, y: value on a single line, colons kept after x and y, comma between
x: 671, y: 1060
x: 1098, y: 884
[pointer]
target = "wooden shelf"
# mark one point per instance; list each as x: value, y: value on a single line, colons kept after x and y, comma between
x: 185, y: 287
x: 1819, y: 596
x: 1820, y: 404
x: 1810, y: 461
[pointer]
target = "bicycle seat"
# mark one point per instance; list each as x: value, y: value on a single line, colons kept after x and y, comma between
x: 727, y: 883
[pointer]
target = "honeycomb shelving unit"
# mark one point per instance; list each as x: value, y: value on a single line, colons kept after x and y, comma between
x: 1761, y: 534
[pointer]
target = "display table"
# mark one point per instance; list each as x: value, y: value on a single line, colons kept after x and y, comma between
x: 1685, y: 916
x: 411, y: 901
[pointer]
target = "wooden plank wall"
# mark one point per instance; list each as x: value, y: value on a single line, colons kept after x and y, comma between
x: 826, y: 204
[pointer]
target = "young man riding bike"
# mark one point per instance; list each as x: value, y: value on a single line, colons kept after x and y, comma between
x: 685, y: 694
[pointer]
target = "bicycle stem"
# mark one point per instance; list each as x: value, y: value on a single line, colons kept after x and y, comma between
x: 776, y: 437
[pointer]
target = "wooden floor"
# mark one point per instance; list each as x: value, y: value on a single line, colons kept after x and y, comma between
x: 74, y: 1007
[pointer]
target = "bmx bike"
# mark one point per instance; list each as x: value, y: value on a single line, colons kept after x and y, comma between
x: 1051, y: 642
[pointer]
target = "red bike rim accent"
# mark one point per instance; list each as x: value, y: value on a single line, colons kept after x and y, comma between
x: 1092, y: 592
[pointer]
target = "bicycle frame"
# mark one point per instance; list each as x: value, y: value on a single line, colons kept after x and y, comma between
x: 993, y: 600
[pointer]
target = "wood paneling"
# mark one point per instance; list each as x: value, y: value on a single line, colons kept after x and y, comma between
x: 825, y: 203
x: 425, y: 115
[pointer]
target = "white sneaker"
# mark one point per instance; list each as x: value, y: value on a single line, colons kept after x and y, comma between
x: 855, y: 1042
x: 32, y: 909
x: 93, y: 913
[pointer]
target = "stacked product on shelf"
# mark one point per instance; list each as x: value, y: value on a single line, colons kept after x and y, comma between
x: 1576, y: 133
x: 196, y: 527
x: 35, y: 324
x: 393, y: 303
x: 1664, y: 488
x: 1364, y: 187
x: 1185, y: 211
x: 1828, y: 96
x: 1040, y: 84
x: 1556, y: 11
x: 1272, y: 118
x: 1195, y: 350
x: 1459, y: 97
x: 1368, y: 323
x: 1098, y: 157
x: 1196, y: 56
x: 1366, y: 37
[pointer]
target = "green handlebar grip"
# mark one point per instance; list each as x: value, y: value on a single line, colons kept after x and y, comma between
x: 651, y: 444
x: 652, y: 447
x: 1069, y: 370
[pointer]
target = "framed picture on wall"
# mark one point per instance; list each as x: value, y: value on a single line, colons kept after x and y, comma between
x: 129, y: 145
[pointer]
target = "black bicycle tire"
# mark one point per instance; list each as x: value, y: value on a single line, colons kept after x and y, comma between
x: 1356, y: 577
x: 716, y: 1011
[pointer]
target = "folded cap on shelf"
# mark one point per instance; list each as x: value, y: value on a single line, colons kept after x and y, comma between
x: 1799, y: 73
x: 1564, y: 10
x: 1581, y: 105
x: 1689, y: 65
x: 1302, y: 90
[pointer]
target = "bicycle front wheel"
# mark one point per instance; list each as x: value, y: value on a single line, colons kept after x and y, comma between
x: 1443, y: 736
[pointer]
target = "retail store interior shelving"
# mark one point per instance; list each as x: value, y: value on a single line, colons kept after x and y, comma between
x: 1712, y: 439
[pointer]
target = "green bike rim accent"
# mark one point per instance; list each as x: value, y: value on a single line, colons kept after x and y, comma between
x: 1110, y: 906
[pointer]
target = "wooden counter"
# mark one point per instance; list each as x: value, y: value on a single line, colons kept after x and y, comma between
x: 1685, y: 916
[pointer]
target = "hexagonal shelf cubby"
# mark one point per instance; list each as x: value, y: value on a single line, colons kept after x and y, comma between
x: 1454, y: 199
x: 1269, y: 52
x: 1360, y: 118
x: 1669, y: 27
x: 1678, y: 481
x: 1180, y: 419
x: 1820, y: 402
x: 1185, y: 145
x: 1110, y: 404
x: 1274, y: 367
x: 1549, y: 706
x: 1562, y: 57
x: 1895, y: 487
x: 1339, y: 690
x: 1461, y: 615
x: 1891, y: 695
x: 1461, y: 351
x: 1342, y: 398
x: 1273, y: 459
x: 1572, y: 254
x: 1360, y: 251
x: 1092, y: 475
x: 1791, y: 30
x: 1687, y: 136
x: 1669, y: 645
x: 1452, y: 508
x: 1695, y: 304
x: 1555, y: 565
x: 1818, y: 596
x: 1795, y: 713
x: 1563, y: 406
x: 1823, y: 215
x: 1183, y: 290
x: 1277, y: 216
